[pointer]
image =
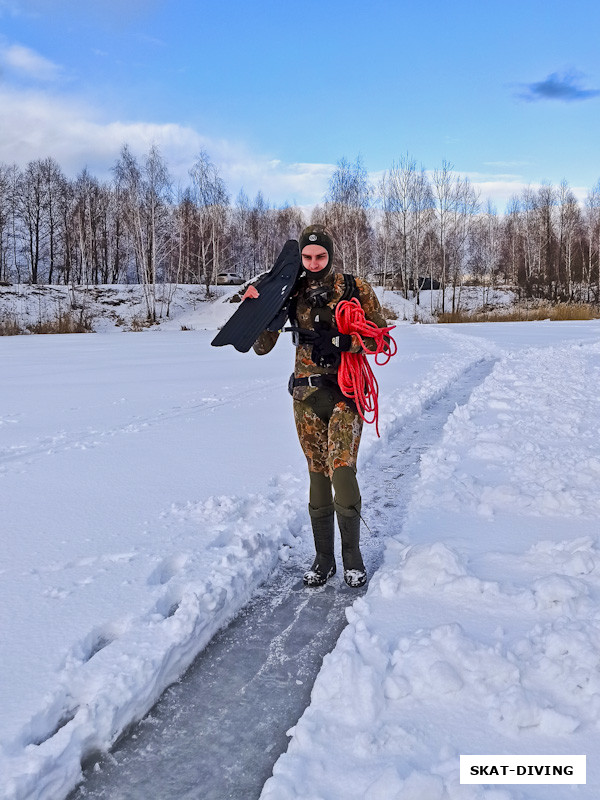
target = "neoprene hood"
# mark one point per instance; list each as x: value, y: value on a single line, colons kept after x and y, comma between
x: 317, y: 234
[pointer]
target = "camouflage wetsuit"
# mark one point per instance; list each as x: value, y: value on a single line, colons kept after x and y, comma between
x: 329, y: 427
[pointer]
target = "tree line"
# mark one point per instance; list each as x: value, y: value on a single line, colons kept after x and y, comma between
x: 413, y: 230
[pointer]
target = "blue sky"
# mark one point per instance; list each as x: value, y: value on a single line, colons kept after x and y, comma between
x: 277, y: 93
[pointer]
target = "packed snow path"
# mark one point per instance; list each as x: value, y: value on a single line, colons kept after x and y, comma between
x: 146, y: 508
x: 217, y: 733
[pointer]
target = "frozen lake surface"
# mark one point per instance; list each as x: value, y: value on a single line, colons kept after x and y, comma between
x: 151, y: 484
x: 217, y: 733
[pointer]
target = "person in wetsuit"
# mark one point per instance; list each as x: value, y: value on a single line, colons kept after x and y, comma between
x: 328, y: 424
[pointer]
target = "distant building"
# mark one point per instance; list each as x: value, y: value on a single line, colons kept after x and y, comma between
x: 387, y: 280
x: 395, y: 281
x: 426, y: 284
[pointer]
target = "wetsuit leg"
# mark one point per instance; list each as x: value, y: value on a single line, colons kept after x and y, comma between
x: 330, y: 440
x: 320, y: 497
x: 344, y: 432
x: 347, y: 493
x: 312, y: 433
x: 345, y: 428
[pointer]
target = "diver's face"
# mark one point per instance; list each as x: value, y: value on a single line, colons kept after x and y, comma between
x: 314, y: 257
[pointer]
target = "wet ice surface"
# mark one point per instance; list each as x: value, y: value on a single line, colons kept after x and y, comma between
x: 217, y: 733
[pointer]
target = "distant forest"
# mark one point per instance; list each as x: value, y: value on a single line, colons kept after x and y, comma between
x: 414, y: 229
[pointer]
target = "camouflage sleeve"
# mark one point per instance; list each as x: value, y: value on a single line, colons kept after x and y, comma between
x: 372, y: 308
x: 265, y: 342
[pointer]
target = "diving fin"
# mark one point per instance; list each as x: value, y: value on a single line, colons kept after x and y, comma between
x: 268, y: 310
x: 278, y: 322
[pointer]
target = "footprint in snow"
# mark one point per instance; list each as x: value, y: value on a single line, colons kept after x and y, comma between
x: 167, y: 569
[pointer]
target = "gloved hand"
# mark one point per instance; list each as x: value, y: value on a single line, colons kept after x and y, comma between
x: 327, y: 345
x: 327, y: 349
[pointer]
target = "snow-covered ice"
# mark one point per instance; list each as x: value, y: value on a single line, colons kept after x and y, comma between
x: 481, y: 632
x: 150, y: 482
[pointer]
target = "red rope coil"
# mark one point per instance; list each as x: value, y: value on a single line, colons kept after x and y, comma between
x: 355, y: 376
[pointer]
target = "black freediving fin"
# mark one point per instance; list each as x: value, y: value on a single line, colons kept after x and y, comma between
x: 278, y: 321
x: 265, y: 312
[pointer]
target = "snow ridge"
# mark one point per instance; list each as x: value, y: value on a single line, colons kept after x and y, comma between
x: 508, y: 448
x: 117, y: 673
x: 481, y: 632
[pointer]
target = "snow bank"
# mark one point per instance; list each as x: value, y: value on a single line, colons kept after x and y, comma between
x: 405, y: 310
x: 481, y: 632
x: 115, y: 674
x: 113, y: 308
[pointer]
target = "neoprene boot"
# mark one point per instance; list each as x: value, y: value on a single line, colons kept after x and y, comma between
x: 323, y: 566
x: 355, y: 573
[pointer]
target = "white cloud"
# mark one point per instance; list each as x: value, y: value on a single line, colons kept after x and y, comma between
x: 299, y: 183
x: 40, y: 124
x: 502, y: 187
x: 497, y: 188
x: 25, y: 62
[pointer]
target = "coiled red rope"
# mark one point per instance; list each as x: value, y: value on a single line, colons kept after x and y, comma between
x: 355, y: 376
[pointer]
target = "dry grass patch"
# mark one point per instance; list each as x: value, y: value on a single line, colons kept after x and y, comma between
x: 556, y: 312
x: 137, y: 324
x: 63, y: 323
x: 9, y: 326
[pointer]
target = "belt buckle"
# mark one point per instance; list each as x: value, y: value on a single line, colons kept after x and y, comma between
x: 310, y: 381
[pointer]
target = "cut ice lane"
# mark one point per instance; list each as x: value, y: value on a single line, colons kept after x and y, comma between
x: 217, y: 733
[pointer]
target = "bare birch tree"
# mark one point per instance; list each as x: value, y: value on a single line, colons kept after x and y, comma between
x: 212, y: 201
x: 444, y: 198
x: 345, y: 213
x: 569, y: 224
x: 5, y: 222
x: 31, y: 205
x: 487, y: 249
x: 147, y: 195
x: 592, y: 230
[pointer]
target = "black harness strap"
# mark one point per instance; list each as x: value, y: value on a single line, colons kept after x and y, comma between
x: 292, y: 310
x: 350, y: 288
x: 350, y: 291
x: 326, y: 381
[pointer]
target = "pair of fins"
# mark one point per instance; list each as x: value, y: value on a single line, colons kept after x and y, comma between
x: 267, y: 307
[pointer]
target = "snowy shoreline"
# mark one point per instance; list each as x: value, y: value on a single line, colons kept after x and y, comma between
x: 112, y: 308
